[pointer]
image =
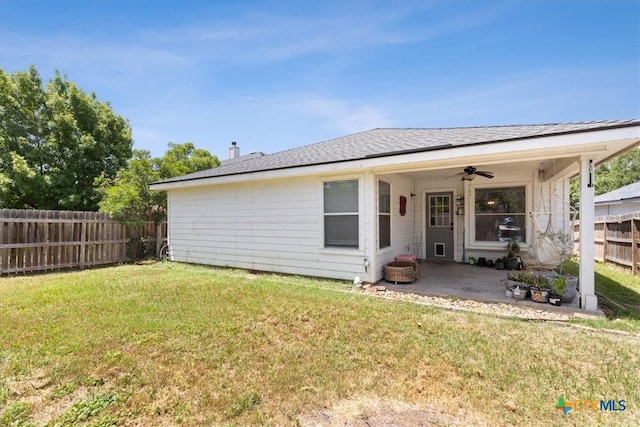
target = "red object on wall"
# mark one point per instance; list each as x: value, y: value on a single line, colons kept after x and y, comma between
x: 403, y: 205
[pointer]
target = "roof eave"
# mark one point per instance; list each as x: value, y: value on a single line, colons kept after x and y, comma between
x: 180, y: 181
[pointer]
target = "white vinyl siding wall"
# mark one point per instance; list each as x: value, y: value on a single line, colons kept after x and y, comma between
x: 403, y: 231
x: 273, y: 225
x: 616, y: 208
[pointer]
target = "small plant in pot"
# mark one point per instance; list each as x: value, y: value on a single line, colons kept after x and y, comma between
x: 539, y: 290
x: 511, y: 260
x: 558, y: 286
x: 520, y: 283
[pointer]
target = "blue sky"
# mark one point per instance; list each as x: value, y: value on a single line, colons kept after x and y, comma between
x: 274, y: 75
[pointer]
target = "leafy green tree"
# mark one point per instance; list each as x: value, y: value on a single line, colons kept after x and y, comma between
x: 54, y: 141
x: 617, y: 172
x: 181, y: 159
x: 128, y: 199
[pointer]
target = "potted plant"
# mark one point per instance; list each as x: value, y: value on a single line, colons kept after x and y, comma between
x: 519, y: 283
x: 511, y: 260
x: 570, y: 282
x: 558, y: 286
x: 539, y: 290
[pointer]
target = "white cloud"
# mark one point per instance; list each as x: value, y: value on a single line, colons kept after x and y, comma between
x: 87, y: 53
x: 257, y: 37
x: 342, y: 115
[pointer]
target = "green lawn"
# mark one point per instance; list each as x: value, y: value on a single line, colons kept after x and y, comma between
x: 618, y: 294
x: 171, y: 344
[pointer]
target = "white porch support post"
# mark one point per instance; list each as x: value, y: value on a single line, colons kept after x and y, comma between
x: 588, y: 298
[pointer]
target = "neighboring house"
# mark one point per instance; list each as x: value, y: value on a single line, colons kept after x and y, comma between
x: 617, y: 202
x: 348, y: 206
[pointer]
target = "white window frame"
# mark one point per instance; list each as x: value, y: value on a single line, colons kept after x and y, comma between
x: 471, y: 215
x: 360, y: 215
x: 380, y: 213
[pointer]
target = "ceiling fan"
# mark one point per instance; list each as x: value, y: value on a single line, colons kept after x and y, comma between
x: 470, y: 173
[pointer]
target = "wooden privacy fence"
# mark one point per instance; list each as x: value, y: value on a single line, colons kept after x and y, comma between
x: 617, y: 240
x: 36, y: 240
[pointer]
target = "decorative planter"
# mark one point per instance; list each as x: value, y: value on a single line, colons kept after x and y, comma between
x: 539, y: 294
x: 555, y: 299
x: 509, y: 293
x: 398, y: 271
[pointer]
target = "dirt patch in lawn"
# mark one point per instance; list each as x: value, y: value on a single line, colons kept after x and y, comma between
x: 385, y: 413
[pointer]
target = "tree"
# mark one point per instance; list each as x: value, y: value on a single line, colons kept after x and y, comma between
x: 128, y: 199
x: 181, y: 159
x: 54, y: 141
x: 617, y: 172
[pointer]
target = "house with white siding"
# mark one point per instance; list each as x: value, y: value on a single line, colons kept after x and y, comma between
x: 621, y: 201
x: 348, y: 206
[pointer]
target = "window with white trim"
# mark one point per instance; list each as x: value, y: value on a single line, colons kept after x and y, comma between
x: 341, y: 214
x: 384, y: 214
x: 500, y: 214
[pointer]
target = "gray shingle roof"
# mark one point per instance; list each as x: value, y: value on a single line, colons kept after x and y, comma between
x: 388, y: 142
x: 631, y: 191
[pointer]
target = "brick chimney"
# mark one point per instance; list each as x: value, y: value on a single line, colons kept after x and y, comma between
x: 234, y: 151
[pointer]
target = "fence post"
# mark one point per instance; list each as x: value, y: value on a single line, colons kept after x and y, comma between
x: 634, y: 245
x: 83, y: 239
x: 605, y: 243
x: 158, y: 239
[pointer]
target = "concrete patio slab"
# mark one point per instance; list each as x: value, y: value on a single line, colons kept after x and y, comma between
x: 464, y: 281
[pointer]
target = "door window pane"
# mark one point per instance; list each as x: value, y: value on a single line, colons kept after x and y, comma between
x: 440, y: 211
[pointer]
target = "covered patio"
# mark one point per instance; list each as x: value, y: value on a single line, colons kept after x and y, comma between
x: 347, y: 207
x: 458, y: 280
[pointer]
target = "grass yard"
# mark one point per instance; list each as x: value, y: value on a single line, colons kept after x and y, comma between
x: 172, y: 344
x: 618, y: 292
